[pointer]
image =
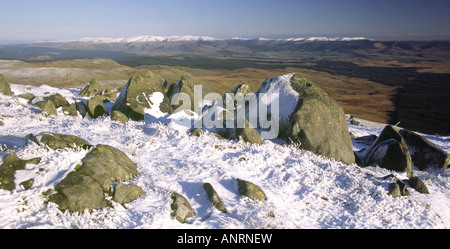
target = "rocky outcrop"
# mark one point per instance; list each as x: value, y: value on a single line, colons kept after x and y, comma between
x: 59, y: 141
x: 77, y: 192
x: 106, y: 165
x: 249, y: 134
x: 424, y: 153
x: 95, y: 107
x: 184, y: 85
x: 109, y: 95
x: 70, y: 110
x: 119, y: 116
x: 86, y: 187
x: 47, y: 107
x: 50, y: 103
x: 57, y: 99
x: 309, y: 117
x: 134, y: 97
x: 12, y: 163
x: 390, y: 151
x: 92, y: 89
x: 5, y: 88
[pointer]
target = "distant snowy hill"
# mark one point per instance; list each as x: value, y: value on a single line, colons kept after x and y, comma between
x: 151, y: 38
x: 303, y: 190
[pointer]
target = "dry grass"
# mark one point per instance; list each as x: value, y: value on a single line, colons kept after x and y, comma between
x: 360, y: 97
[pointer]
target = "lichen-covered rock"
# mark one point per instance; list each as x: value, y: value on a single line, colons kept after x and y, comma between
x: 106, y: 165
x: 57, y: 99
x: 12, y: 163
x: 109, y: 95
x: 125, y: 193
x: 27, y: 96
x: 92, y: 89
x: 197, y: 132
x: 251, y: 190
x: 309, y: 116
x: 77, y: 192
x: 249, y: 134
x: 214, y: 198
x: 119, y: 116
x: 95, y: 107
x: 70, y: 110
x: 47, y: 107
x: 60, y: 141
x: 4, y: 86
x: 181, y: 209
x: 134, y: 97
x: 184, y: 85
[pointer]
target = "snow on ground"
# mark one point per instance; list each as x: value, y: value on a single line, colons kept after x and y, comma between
x: 303, y: 190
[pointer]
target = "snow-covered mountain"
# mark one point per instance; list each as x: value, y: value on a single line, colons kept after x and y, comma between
x: 152, y: 38
x: 303, y: 190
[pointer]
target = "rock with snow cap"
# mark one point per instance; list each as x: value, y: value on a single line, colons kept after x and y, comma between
x: 135, y: 95
x: 308, y: 116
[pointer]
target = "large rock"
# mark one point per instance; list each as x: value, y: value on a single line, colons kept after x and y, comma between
x: 181, y: 209
x: 92, y: 89
x: 49, y: 104
x: 106, y: 165
x: 390, y: 151
x: 424, y: 153
x: 134, y: 97
x: 309, y: 116
x: 184, y: 85
x: 4, y: 86
x: 249, y: 134
x: 60, y: 141
x: 77, y: 192
x: 86, y: 187
x: 109, y: 95
x: 95, y: 107
x: 12, y: 163
x: 47, y: 107
x: 57, y: 99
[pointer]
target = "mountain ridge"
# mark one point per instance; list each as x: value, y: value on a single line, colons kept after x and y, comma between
x: 155, y: 38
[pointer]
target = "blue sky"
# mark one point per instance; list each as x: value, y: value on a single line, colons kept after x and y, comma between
x: 30, y: 20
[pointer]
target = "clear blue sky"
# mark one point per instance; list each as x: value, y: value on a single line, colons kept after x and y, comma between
x: 29, y: 20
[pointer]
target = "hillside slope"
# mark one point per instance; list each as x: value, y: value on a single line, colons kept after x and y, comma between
x: 303, y: 190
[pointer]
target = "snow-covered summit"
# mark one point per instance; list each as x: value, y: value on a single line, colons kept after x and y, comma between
x: 146, y: 38
x: 153, y: 38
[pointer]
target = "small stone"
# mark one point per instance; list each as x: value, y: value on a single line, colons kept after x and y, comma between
x: 124, y: 193
x: 214, y: 197
x: 119, y: 116
x: 181, y: 210
x: 251, y: 190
